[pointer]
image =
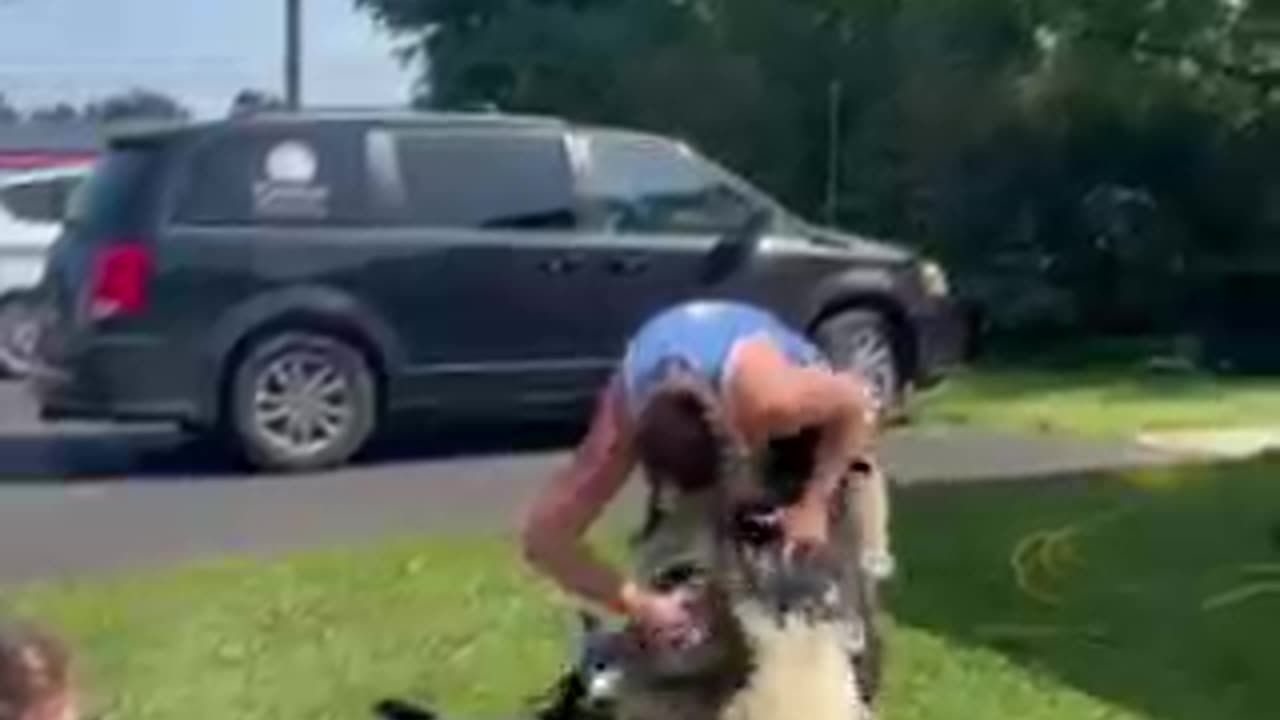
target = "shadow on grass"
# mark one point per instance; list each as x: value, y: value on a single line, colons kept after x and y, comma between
x: 1122, y: 595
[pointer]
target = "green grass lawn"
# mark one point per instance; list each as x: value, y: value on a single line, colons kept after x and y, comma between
x: 1120, y: 629
x: 1112, y: 400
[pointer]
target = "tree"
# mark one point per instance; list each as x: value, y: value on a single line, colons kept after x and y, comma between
x: 59, y: 113
x: 1071, y: 160
x: 136, y: 104
x: 250, y: 100
x: 8, y: 114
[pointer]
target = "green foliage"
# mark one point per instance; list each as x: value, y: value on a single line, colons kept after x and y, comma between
x: 1077, y: 163
x: 8, y: 114
x: 136, y: 103
x: 1122, y: 400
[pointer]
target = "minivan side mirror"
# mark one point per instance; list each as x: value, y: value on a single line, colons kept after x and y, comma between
x: 737, y: 245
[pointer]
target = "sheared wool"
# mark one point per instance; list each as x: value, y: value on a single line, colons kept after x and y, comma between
x: 801, y: 671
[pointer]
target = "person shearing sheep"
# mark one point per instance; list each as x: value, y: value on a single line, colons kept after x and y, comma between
x: 779, y: 399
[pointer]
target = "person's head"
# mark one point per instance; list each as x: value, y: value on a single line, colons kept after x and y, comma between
x: 679, y: 436
x: 35, y: 675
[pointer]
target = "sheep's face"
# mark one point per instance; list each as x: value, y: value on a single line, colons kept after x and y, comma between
x: 762, y: 612
x: 754, y: 573
x: 713, y: 646
x: 803, y: 583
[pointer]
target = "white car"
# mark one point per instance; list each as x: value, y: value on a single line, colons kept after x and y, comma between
x: 32, y: 207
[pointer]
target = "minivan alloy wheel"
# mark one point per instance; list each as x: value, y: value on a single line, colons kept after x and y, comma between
x: 870, y: 352
x: 862, y: 341
x: 302, y: 403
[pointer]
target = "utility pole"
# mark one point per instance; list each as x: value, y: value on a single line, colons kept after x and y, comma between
x: 835, y: 93
x: 293, y: 54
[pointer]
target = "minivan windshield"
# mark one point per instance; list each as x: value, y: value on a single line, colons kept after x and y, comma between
x: 783, y: 219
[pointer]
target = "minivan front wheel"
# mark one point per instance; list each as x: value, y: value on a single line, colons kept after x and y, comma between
x: 302, y: 402
x: 862, y: 341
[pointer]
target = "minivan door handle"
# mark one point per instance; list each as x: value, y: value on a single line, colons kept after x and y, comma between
x: 628, y: 265
x: 563, y: 264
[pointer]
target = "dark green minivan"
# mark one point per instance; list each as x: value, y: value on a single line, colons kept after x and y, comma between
x: 295, y: 281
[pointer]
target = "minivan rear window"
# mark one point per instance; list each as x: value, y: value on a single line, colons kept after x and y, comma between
x: 115, y: 198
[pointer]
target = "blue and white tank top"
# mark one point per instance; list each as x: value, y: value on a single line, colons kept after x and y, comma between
x: 702, y: 335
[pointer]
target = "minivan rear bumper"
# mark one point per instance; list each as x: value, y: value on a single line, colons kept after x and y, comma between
x: 124, y: 378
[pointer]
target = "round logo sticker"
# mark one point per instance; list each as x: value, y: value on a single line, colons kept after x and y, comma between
x: 291, y: 162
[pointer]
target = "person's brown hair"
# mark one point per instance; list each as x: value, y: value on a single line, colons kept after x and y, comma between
x: 680, y: 435
x: 35, y: 671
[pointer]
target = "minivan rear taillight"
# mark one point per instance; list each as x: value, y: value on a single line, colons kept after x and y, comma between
x: 121, y: 273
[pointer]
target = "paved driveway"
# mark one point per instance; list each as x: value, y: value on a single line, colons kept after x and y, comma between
x: 90, y: 499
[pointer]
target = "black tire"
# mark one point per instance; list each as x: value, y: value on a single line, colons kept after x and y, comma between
x: 19, y: 322
x: 864, y: 341
x: 263, y: 382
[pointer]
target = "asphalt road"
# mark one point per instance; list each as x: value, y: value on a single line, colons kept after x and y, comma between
x: 87, y: 499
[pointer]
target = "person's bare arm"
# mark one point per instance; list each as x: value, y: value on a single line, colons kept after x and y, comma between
x: 777, y: 398
x: 577, y: 495
x: 850, y: 425
x: 782, y: 399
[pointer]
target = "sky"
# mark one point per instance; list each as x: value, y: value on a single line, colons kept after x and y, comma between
x: 200, y: 51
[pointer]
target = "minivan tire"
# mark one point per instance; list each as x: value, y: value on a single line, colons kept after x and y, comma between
x: 864, y: 340
x: 18, y: 325
x: 301, y: 401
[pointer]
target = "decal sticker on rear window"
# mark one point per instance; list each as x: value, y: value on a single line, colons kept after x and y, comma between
x: 289, y: 187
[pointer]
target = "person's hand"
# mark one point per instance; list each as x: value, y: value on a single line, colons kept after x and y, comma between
x: 806, y: 522
x: 664, y: 619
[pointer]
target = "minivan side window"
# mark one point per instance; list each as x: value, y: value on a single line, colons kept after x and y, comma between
x: 638, y: 184
x: 482, y: 181
x: 285, y: 177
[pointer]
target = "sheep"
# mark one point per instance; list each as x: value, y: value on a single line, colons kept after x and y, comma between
x: 778, y: 625
x: 776, y: 646
x: 775, y: 643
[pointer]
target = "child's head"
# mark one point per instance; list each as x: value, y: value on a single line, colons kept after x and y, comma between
x: 35, y: 675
